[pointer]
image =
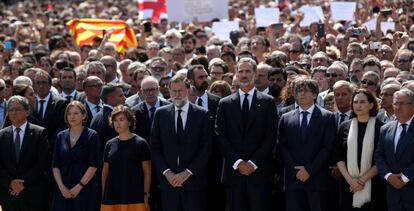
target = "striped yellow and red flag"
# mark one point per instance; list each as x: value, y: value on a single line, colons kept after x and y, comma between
x: 85, y: 30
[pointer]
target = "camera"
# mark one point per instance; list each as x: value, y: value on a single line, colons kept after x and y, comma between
x: 356, y: 31
x: 375, y: 45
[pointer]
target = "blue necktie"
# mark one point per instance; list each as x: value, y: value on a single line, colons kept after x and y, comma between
x: 400, y: 140
x: 304, y: 125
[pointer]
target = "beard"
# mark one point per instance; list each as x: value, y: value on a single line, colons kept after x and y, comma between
x: 188, y: 50
x: 202, y: 87
x: 180, y: 102
x: 275, y: 91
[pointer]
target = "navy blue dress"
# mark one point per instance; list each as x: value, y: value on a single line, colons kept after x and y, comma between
x: 73, y: 163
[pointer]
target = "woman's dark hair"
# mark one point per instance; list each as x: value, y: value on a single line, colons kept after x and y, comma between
x: 371, y: 99
x: 128, y: 114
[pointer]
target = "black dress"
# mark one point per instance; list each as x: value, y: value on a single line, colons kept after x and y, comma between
x: 125, y: 181
x: 378, y: 199
x: 73, y: 163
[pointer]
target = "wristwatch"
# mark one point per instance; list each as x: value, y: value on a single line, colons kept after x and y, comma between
x: 147, y: 194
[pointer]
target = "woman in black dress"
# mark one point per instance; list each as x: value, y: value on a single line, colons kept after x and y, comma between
x: 75, y: 161
x: 361, y: 187
x: 126, y: 174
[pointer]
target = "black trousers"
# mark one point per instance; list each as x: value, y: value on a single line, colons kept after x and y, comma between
x: 306, y: 200
x: 249, y: 197
x: 182, y: 200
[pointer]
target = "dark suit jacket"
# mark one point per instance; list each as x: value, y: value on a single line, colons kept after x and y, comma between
x: 313, y: 153
x: 32, y: 166
x: 53, y: 118
x: 143, y: 125
x: 254, y: 143
x: 100, y: 123
x: 388, y: 162
x: 286, y: 109
x: 193, y: 149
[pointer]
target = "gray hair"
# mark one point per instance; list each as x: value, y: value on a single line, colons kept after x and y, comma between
x: 249, y: 61
x: 149, y: 79
x: 405, y: 92
x: 390, y: 80
x: 22, y: 80
x: 376, y: 76
x: 19, y: 99
x: 342, y: 83
x: 135, y: 65
x: 342, y: 66
x: 96, y: 64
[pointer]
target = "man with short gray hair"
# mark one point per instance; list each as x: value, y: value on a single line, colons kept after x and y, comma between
x: 96, y: 68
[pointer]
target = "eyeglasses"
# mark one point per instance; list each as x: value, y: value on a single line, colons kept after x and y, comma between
x: 333, y: 75
x: 150, y: 90
x: 369, y: 83
x: 158, y: 69
x: 109, y: 65
x: 403, y: 60
x: 386, y: 94
x: 401, y: 103
x: 12, y: 110
x: 1, y: 88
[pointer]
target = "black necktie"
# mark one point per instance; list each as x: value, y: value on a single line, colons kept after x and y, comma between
x: 98, y: 108
x: 68, y: 98
x: 180, y: 127
x: 152, y: 111
x: 304, y: 124
x: 342, y: 118
x: 17, y: 144
x: 402, y: 135
x: 200, y: 102
x: 40, y: 112
x: 245, y: 109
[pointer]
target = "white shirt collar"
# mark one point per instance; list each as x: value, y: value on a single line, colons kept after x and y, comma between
x: 310, y: 109
x: 204, y: 97
x: 184, y: 108
x: 157, y: 104
x: 22, y: 127
x: 73, y: 94
x: 91, y: 105
x: 251, y: 92
x: 46, y: 99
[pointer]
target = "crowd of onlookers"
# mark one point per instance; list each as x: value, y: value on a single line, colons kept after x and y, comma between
x: 88, y: 127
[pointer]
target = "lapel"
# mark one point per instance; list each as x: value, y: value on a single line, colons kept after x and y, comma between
x: 172, y: 118
x: 389, y: 138
x: 189, y: 120
x: 296, y: 124
x: 235, y: 98
x: 406, y: 139
x: 144, y: 110
x: 49, y: 107
x: 26, y: 140
x: 10, y: 142
x: 314, y: 121
x: 253, y: 108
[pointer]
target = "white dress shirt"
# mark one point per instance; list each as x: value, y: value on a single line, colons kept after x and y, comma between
x: 184, y: 114
x: 204, y: 98
x: 92, y: 107
x: 21, y: 133
x: 308, y: 117
x: 46, y: 99
x: 73, y: 95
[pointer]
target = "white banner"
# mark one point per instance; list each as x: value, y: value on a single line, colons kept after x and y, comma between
x: 205, y: 10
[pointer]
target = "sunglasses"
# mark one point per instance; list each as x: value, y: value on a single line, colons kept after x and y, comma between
x: 369, y: 83
x: 333, y: 75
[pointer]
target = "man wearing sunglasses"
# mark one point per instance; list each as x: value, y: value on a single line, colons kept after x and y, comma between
x: 335, y: 72
x: 371, y: 81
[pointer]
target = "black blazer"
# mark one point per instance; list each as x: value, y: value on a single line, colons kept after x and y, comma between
x: 143, y: 125
x: 32, y: 166
x: 286, y: 109
x: 387, y: 161
x: 254, y: 143
x: 100, y: 123
x: 193, y: 149
x: 53, y: 118
x: 314, y: 152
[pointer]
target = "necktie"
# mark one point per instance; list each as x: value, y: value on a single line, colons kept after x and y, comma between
x: 402, y: 135
x: 98, y: 108
x: 245, y: 109
x: 152, y: 111
x: 342, y: 118
x: 200, y: 102
x: 68, y: 98
x: 17, y: 144
x: 180, y: 127
x: 304, y: 124
x: 40, y: 112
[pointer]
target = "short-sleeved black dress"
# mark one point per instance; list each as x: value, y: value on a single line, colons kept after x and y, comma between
x: 124, y: 187
x: 378, y: 199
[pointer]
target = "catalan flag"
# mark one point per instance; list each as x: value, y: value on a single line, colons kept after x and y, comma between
x: 85, y: 30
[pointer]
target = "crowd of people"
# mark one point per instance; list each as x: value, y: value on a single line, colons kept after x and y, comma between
x: 284, y: 117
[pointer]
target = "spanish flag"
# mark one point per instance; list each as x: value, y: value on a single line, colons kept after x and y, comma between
x: 85, y: 30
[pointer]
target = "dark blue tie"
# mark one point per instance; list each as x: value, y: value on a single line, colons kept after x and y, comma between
x: 304, y: 125
x: 152, y: 111
x: 41, y: 109
x: 401, y: 139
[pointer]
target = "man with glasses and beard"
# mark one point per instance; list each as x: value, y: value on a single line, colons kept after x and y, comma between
x: 180, y: 151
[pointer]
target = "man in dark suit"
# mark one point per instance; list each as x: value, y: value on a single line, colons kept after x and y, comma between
x: 67, y: 80
x: 216, y: 193
x: 306, y: 138
x: 180, y: 149
x: 50, y: 108
x: 144, y: 115
x: 92, y: 87
x: 112, y: 96
x: 24, y: 159
x: 144, y: 111
x: 394, y: 156
x: 386, y: 114
x: 246, y: 126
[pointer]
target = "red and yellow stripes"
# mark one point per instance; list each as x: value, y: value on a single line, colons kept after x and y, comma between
x: 85, y: 30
